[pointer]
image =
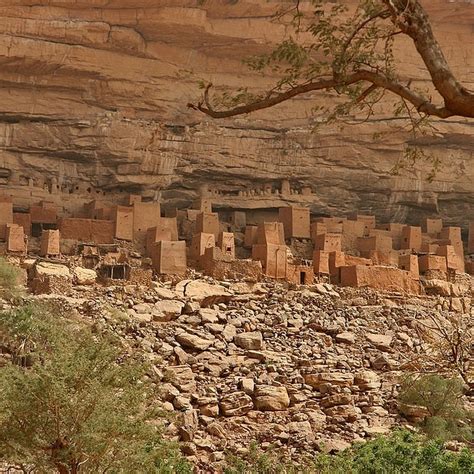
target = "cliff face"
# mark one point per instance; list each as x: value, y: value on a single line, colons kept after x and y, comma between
x: 93, y: 100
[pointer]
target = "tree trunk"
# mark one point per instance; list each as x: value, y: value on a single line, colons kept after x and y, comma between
x: 411, y: 18
x: 62, y: 458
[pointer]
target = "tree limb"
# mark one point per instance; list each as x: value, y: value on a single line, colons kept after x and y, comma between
x: 409, y: 17
x: 378, y: 80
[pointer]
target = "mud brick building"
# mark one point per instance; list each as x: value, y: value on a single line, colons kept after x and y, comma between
x: 15, y: 238
x: 132, y: 240
x: 169, y: 258
x: 50, y: 243
x: 296, y: 222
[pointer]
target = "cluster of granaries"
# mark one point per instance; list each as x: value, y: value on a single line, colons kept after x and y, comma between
x: 349, y: 251
x: 358, y: 252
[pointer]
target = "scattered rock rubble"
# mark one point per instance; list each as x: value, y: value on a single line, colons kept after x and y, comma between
x: 306, y: 370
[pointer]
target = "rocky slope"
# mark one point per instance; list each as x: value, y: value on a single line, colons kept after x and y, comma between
x: 93, y: 97
x: 303, y: 370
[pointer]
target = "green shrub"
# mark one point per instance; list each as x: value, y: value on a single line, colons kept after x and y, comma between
x: 257, y: 461
x: 9, y: 278
x: 70, y: 401
x: 402, y: 452
x: 447, y: 418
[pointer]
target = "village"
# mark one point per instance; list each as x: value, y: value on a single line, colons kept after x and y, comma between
x: 237, y: 236
x: 264, y: 322
x: 133, y: 242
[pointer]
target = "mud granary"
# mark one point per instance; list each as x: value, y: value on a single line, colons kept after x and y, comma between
x: 136, y: 240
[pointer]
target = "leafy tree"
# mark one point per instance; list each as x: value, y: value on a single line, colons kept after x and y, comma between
x: 351, y: 53
x: 257, y: 461
x: 70, y: 401
x: 443, y: 400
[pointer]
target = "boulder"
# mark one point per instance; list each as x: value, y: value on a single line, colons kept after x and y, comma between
x: 247, y: 385
x: 367, y: 380
x: 437, y: 287
x: 142, y: 308
x: 215, y: 328
x: 249, y: 340
x: 456, y: 305
x: 165, y: 293
x: 341, y: 379
x: 168, y: 392
x: 346, y: 337
x: 209, y: 315
x: 140, y: 317
x: 320, y: 288
x: 182, y: 377
x: 461, y: 288
x: 52, y: 269
x: 216, y: 429
x: 336, y: 399
x: 192, y: 341
x: 235, y: 404
x: 167, y: 310
x: 301, y: 429
x: 270, y: 398
x: 229, y: 332
x: 334, y: 445
x: 380, y: 341
x: 377, y: 430
x: 50, y: 278
x: 85, y: 276
x: 208, y: 406
x: 414, y: 413
x: 198, y: 290
x: 317, y: 419
x: 188, y: 424
x: 347, y: 412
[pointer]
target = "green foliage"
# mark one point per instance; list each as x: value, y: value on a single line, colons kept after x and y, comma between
x: 412, y: 156
x: 327, y: 47
x: 258, y: 462
x: 9, y: 278
x: 442, y: 398
x: 340, y: 44
x: 402, y: 452
x: 70, y: 401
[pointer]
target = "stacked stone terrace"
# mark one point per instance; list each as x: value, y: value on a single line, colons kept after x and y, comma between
x: 134, y: 241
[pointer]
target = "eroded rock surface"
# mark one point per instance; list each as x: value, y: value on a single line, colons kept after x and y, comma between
x: 301, y: 369
x: 94, y: 103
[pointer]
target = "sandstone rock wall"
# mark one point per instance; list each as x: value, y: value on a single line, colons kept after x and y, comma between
x: 93, y: 100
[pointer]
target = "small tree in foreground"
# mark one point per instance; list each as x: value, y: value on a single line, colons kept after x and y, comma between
x: 449, y: 346
x: 69, y: 404
x: 447, y: 418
